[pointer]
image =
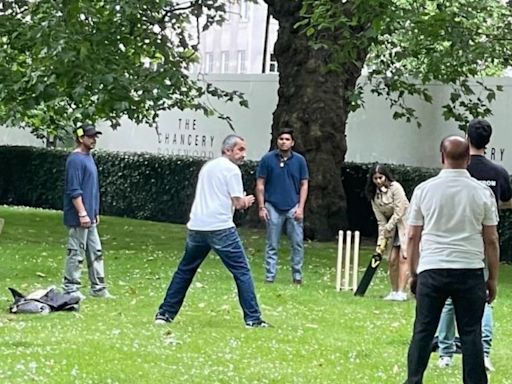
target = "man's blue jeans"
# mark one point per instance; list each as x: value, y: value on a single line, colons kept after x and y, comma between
x: 227, y: 244
x: 446, y: 330
x: 295, y: 232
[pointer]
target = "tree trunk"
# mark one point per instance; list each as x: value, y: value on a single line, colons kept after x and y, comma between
x: 314, y: 103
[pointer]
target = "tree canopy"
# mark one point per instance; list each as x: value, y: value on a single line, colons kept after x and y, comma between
x: 323, y: 48
x: 64, y: 62
x: 414, y: 43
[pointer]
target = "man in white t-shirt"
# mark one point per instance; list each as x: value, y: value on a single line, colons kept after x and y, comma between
x: 452, y: 228
x: 219, y: 192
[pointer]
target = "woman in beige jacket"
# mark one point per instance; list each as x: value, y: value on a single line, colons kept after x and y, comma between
x: 390, y: 204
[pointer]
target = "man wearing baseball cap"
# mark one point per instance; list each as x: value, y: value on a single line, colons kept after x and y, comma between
x: 81, y: 216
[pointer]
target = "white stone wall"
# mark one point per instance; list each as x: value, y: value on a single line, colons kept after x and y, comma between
x: 372, y: 134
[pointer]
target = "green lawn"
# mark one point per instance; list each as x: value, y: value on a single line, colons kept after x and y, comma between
x: 320, y: 336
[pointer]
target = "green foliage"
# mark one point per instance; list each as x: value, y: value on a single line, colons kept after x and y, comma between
x: 147, y: 186
x: 320, y: 336
x: 31, y: 177
x: 355, y: 178
x: 362, y: 218
x: 142, y: 186
x: 505, y: 232
x: 136, y: 185
x: 161, y: 188
x: 64, y: 62
x: 414, y: 43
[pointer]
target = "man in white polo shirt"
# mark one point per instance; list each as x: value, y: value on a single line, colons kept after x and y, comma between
x: 219, y: 192
x: 454, y: 217
x: 495, y: 177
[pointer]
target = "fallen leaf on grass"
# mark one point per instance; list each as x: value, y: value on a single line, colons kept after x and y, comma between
x: 170, y: 339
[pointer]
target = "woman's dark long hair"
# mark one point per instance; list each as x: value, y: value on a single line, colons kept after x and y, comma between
x: 371, y: 188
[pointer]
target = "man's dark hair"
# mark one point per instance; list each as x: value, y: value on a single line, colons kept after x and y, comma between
x: 287, y: 131
x: 479, y: 133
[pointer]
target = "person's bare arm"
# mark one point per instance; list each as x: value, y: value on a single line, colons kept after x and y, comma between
x: 505, y: 204
x: 83, y: 215
x: 303, y: 195
x: 413, y: 252
x: 260, y: 196
x: 492, y: 257
x: 243, y: 202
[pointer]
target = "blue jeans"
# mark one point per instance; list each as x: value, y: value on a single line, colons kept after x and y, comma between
x: 227, y: 244
x: 295, y: 232
x: 467, y: 289
x: 446, y: 330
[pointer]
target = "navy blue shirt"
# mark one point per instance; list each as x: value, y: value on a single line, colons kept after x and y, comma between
x: 492, y: 175
x: 282, y: 179
x: 81, y: 180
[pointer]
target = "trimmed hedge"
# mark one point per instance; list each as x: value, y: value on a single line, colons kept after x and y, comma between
x: 360, y: 214
x: 139, y: 185
x: 161, y: 188
x: 32, y: 177
x: 355, y: 175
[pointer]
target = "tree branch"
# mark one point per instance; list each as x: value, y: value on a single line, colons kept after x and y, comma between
x: 169, y: 11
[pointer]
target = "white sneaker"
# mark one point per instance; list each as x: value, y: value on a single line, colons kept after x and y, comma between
x: 78, y: 294
x: 488, y: 364
x: 444, y: 362
x: 400, y: 296
x: 391, y: 296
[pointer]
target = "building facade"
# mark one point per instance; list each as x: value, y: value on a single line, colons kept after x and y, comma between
x: 238, y: 45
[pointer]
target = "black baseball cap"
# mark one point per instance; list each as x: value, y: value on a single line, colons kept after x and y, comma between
x: 86, y: 130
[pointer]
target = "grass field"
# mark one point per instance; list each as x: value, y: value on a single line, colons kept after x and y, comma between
x: 319, y: 335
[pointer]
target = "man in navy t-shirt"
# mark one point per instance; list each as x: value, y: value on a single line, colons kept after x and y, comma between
x: 281, y: 191
x: 81, y: 216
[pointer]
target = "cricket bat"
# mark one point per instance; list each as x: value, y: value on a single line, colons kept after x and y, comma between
x: 2, y: 221
x: 370, y: 270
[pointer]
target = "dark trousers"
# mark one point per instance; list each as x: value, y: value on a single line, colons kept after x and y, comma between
x: 227, y: 245
x: 467, y: 289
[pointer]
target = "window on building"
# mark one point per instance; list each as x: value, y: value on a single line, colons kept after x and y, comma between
x: 208, y: 62
x: 272, y: 65
x: 241, y: 62
x: 244, y: 10
x: 224, y: 62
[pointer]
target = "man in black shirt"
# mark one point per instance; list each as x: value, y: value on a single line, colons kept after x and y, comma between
x: 497, y: 178
x: 481, y: 168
